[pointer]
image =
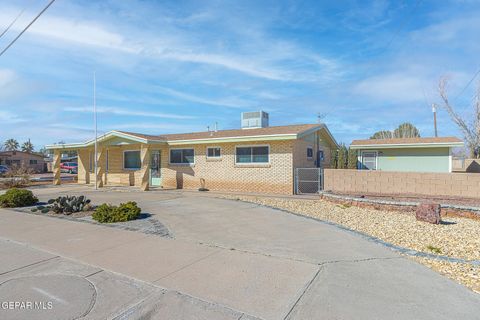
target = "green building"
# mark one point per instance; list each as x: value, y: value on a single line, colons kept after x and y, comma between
x: 406, y: 154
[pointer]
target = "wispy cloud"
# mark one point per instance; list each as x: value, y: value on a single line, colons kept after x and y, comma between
x: 128, y: 112
x: 222, y: 102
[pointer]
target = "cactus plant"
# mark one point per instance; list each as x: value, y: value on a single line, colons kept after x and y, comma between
x: 69, y: 204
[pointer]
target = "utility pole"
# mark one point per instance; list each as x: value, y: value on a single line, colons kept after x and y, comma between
x: 95, y: 124
x: 434, y: 110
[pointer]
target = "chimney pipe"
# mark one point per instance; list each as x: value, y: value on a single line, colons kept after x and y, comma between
x: 216, y: 126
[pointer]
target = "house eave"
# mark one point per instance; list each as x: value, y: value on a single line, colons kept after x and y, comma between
x: 411, y: 145
x: 275, y: 137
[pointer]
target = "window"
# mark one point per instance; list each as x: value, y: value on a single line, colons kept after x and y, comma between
x: 33, y: 161
x: 182, y: 156
x: 131, y: 160
x: 106, y: 160
x: 214, y: 152
x: 309, y: 152
x: 369, y: 160
x: 257, y: 154
x: 91, y: 164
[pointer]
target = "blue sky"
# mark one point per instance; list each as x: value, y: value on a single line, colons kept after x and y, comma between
x: 178, y: 66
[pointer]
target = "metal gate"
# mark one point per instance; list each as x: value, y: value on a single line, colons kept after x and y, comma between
x: 308, y: 180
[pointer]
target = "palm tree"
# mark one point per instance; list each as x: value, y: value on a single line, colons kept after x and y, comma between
x: 27, y: 146
x: 11, y: 145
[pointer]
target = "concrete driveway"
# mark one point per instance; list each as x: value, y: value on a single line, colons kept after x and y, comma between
x: 250, y: 260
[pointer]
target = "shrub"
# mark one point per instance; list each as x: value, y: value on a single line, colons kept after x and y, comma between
x: 107, y: 213
x: 17, y: 177
x: 17, y: 198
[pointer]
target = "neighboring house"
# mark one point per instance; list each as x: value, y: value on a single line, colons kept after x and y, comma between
x: 406, y: 154
x: 258, y: 159
x: 28, y: 160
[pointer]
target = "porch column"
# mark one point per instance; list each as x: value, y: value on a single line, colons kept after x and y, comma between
x: 100, y: 166
x: 83, y: 166
x: 56, y: 167
x: 145, y: 171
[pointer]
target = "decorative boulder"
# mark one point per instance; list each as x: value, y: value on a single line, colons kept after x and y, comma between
x: 428, y: 212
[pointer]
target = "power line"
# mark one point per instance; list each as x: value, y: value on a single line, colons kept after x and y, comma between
x: 26, y: 28
x: 468, y: 84
x: 12, y: 23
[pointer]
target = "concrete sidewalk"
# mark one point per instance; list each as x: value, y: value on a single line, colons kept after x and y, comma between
x: 75, y: 290
x: 256, y: 284
x: 251, y: 259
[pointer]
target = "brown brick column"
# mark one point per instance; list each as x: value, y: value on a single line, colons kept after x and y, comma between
x: 56, y: 167
x: 145, y: 171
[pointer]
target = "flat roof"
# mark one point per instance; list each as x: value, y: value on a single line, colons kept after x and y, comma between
x: 428, y: 142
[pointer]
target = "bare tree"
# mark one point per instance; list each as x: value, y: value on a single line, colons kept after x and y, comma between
x: 469, y: 129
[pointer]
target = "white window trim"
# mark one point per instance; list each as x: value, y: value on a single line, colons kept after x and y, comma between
x: 213, y: 147
x: 123, y: 160
x: 310, y: 158
x: 252, y: 163
x: 181, y: 164
x: 376, y: 158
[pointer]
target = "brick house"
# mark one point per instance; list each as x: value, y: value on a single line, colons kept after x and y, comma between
x: 256, y: 158
x: 22, y: 159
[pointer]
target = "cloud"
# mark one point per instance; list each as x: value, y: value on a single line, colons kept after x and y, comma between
x: 7, y: 117
x: 222, y: 102
x: 256, y: 55
x: 85, y: 33
x: 128, y: 112
x: 6, y: 77
x: 394, y: 87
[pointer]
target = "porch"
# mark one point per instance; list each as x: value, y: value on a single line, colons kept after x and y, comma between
x: 116, y: 161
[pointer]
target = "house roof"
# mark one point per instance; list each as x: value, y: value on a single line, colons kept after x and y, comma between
x: 277, y: 130
x: 11, y: 153
x: 429, y: 142
x: 268, y: 133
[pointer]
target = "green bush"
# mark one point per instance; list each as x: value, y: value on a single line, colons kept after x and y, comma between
x: 17, y: 198
x: 107, y: 213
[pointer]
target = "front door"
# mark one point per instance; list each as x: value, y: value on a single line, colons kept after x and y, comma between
x: 155, y: 172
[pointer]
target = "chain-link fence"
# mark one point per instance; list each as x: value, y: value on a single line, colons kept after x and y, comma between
x: 308, y: 180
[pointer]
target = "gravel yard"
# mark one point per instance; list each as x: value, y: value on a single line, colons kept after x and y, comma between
x: 456, y: 237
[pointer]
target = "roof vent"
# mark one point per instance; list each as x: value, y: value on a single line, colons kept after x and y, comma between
x: 255, y: 119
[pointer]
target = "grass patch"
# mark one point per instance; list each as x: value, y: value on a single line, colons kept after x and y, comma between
x: 435, y: 250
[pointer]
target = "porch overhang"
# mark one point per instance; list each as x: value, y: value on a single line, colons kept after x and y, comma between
x: 123, y: 139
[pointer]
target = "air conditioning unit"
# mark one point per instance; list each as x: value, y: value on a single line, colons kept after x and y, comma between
x: 255, y: 119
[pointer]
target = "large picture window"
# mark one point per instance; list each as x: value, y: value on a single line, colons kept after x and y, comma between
x: 182, y: 156
x: 254, y: 154
x: 131, y: 160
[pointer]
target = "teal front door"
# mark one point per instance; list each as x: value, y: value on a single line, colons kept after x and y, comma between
x: 155, y: 172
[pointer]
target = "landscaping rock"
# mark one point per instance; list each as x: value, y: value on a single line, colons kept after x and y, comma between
x: 428, y: 212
